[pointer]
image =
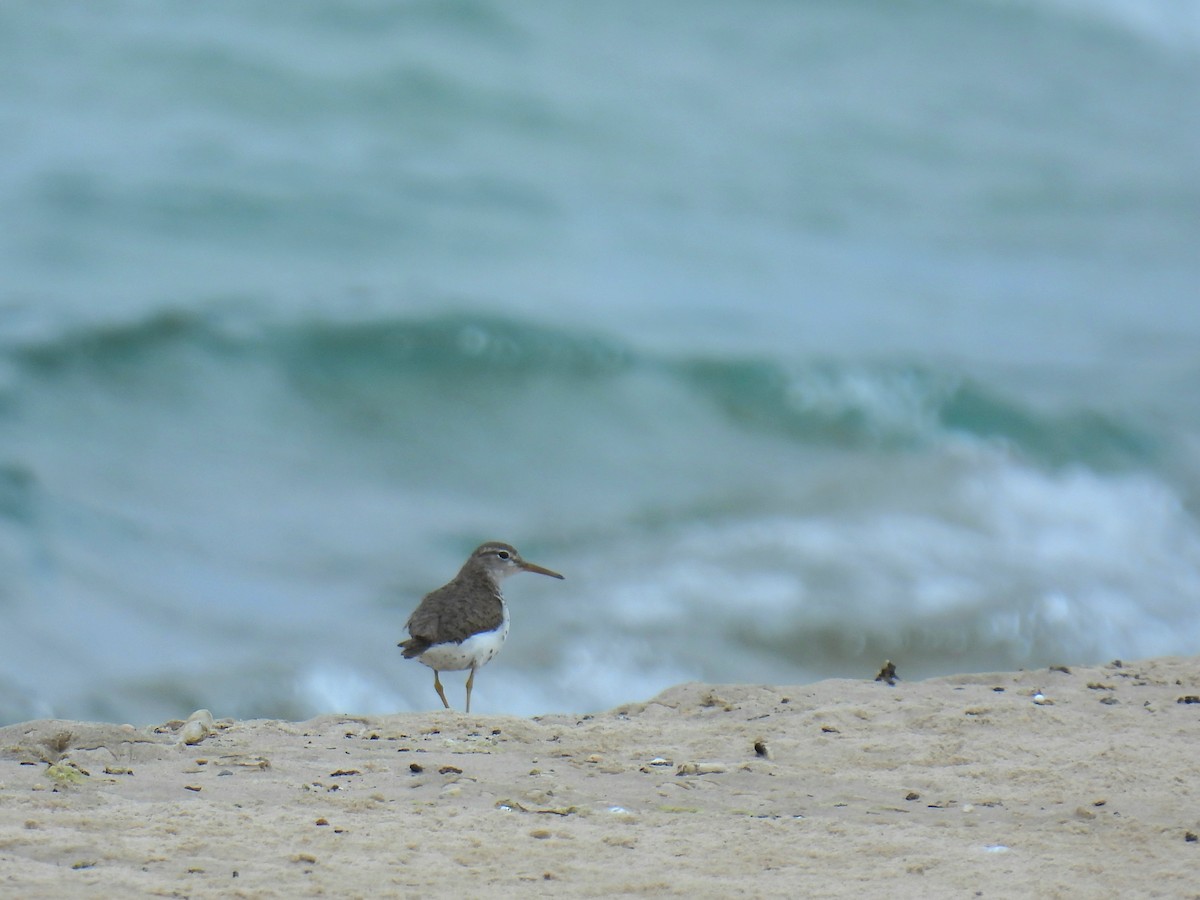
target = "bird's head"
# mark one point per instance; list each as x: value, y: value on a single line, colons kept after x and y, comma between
x: 501, y: 560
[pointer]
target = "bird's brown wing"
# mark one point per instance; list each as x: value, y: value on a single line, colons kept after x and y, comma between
x: 453, y: 613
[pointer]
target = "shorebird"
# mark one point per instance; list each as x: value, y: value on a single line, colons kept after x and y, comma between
x: 464, y: 623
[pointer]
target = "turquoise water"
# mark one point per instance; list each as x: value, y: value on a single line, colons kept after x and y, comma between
x: 797, y: 336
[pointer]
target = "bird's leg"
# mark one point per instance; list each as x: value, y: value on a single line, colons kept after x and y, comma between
x: 470, y: 684
x: 437, y: 686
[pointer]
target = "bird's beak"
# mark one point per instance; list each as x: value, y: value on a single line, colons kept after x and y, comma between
x: 530, y: 567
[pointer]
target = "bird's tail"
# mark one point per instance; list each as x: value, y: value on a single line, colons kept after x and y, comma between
x: 414, y: 646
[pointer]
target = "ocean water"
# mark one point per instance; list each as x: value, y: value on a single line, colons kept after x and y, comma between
x: 797, y: 335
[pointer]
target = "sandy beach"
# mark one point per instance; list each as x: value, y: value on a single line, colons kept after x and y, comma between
x: 1061, y: 782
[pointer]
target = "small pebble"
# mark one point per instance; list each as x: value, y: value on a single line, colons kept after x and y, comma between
x: 193, y: 732
x: 692, y: 768
x: 202, y: 715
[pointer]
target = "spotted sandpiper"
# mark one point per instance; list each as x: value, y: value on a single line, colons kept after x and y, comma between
x: 463, y: 624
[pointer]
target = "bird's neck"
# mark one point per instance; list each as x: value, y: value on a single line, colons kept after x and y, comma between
x: 482, y: 578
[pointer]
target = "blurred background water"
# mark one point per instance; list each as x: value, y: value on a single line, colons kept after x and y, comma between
x: 797, y: 335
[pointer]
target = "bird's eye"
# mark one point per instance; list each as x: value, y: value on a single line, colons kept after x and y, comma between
x: 503, y: 554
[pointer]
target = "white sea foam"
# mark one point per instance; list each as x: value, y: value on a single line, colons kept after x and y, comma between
x: 1020, y: 567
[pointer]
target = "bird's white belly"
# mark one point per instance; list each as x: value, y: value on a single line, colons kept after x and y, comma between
x: 475, y: 651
